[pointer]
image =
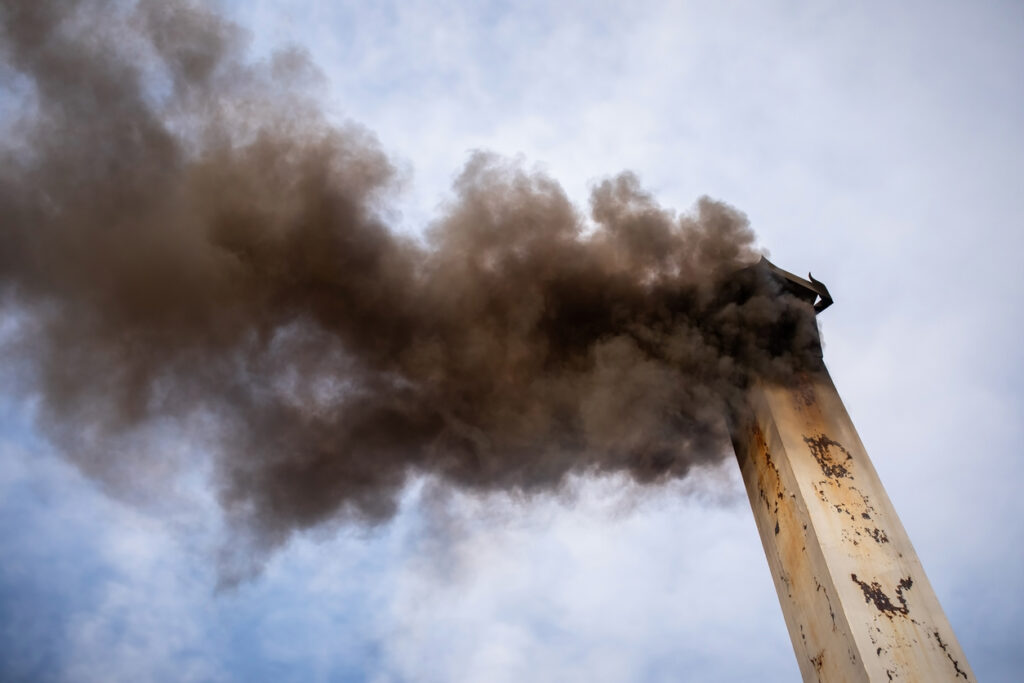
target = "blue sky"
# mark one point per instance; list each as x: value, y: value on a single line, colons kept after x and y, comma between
x: 878, y: 145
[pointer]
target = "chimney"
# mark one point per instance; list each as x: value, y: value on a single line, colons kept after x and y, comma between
x: 855, y: 597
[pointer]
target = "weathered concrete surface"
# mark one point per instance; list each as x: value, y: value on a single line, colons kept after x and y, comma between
x: 855, y: 597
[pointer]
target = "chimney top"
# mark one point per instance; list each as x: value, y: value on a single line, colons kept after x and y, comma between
x: 812, y: 291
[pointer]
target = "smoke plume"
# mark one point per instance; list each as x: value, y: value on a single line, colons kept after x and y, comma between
x: 190, y: 247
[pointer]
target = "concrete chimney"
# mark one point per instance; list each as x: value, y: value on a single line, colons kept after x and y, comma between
x: 855, y: 597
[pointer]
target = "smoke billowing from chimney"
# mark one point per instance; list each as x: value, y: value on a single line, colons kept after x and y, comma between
x: 189, y: 244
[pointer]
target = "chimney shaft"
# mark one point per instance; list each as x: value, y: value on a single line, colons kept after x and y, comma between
x: 856, y: 601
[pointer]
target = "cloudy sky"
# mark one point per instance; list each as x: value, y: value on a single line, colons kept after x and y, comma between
x: 878, y: 145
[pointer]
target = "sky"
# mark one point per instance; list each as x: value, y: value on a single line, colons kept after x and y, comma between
x: 878, y: 146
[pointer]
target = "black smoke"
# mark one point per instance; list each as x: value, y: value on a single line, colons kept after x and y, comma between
x: 191, y: 247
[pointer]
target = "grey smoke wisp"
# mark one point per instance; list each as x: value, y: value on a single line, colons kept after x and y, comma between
x: 191, y: 245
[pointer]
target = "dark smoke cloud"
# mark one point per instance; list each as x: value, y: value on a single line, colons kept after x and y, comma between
x: 192, y: 248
